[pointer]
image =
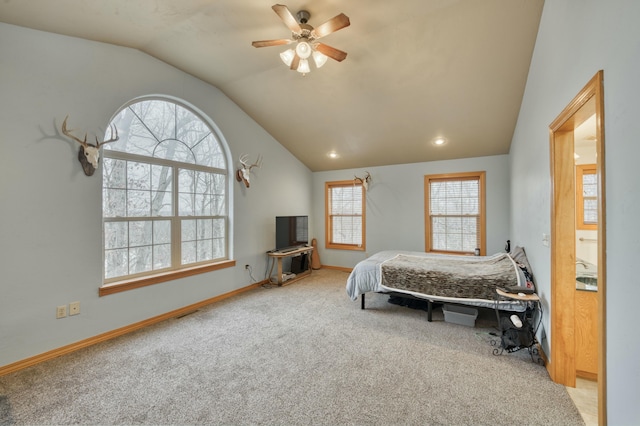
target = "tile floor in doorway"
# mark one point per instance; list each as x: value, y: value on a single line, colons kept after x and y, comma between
x: 585, y: 396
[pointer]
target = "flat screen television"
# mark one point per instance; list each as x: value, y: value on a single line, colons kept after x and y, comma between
x: 291, y: 232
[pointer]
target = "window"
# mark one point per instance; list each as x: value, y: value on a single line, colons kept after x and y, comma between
x: 455, y: 213
x: 165, y: 197
x: 586, y: 197
x: 345, y: 215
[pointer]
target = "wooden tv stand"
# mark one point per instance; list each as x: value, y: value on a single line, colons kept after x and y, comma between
x: 276, y: 256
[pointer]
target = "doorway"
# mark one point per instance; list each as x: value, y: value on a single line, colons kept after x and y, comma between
x: 567, y: 336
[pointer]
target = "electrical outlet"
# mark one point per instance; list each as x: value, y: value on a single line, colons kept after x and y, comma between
x: 74, y: 308
x: 61, y: 311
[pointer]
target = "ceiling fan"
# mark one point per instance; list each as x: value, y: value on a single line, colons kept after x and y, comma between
x: 306, y: 38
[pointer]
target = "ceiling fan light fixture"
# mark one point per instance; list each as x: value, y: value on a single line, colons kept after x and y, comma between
x: 303, y: 49
x: 304, y: 37
x: 319, y: 58
x: 287, y: 56
x: 303, y: 66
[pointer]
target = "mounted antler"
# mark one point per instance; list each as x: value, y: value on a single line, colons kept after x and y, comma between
x: 364, y: 181
x: 243, y: 173
x: 89, y: 154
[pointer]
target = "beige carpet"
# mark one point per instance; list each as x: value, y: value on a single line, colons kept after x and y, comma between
x: 299, y: 354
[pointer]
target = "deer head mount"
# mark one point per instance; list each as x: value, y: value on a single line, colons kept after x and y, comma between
x: 89, y: 154
x: 364, y: 181
x: 243, y: 173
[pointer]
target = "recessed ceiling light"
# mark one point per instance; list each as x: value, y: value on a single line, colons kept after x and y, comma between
x: 439, y: 141
x: 332, y: 154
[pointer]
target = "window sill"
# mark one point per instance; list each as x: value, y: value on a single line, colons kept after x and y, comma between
x: 454, y: 253
x: 120, y: 286
x: 345, y: 247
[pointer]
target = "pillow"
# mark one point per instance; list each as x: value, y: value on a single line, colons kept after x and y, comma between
x: 520, y: 257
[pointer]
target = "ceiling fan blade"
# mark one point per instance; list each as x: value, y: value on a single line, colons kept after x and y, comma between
x: 334, y: 24
x: 267, y: 43
x: 331, y: 52
x: 287, y: 17
x: 295, y: 62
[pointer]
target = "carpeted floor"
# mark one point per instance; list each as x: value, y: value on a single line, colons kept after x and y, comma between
x: 299, y: 354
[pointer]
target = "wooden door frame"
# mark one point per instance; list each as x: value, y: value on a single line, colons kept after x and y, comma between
x: 562, y: 363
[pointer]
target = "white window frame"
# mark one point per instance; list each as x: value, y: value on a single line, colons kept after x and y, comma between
x: 480, y: 215
x: 176, y: 269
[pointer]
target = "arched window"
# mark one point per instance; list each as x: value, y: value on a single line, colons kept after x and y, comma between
x: 165, y: 192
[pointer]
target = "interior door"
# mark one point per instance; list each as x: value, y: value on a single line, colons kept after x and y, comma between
x: 564, y: 359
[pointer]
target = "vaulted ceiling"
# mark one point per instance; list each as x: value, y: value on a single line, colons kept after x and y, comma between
x: 416, y: 69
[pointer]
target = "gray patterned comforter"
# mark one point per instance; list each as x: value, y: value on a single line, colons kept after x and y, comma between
x: 445, y: 276
x: 469, y: 280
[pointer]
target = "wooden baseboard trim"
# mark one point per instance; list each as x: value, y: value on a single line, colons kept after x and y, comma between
x: 543, y: 355
x: 545, y: 359
x: 64, y: 350
x: 587, y: 375
x: 337, y: 268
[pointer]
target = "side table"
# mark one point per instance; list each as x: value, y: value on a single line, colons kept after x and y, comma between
x: 512, y: 337
x: 277, y: 256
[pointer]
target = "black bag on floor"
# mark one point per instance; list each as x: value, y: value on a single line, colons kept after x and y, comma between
x: 514, y: 337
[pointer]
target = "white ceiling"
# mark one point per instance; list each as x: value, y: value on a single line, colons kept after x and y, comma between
x: 415, y: 70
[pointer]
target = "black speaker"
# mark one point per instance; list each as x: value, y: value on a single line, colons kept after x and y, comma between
x: 300, y: 263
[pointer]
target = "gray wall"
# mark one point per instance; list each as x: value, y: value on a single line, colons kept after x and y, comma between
x: 50, y: 227
x: 395, y: 205
x: 577, y: 38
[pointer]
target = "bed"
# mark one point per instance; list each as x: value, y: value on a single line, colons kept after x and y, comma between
x: 465, y: 280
